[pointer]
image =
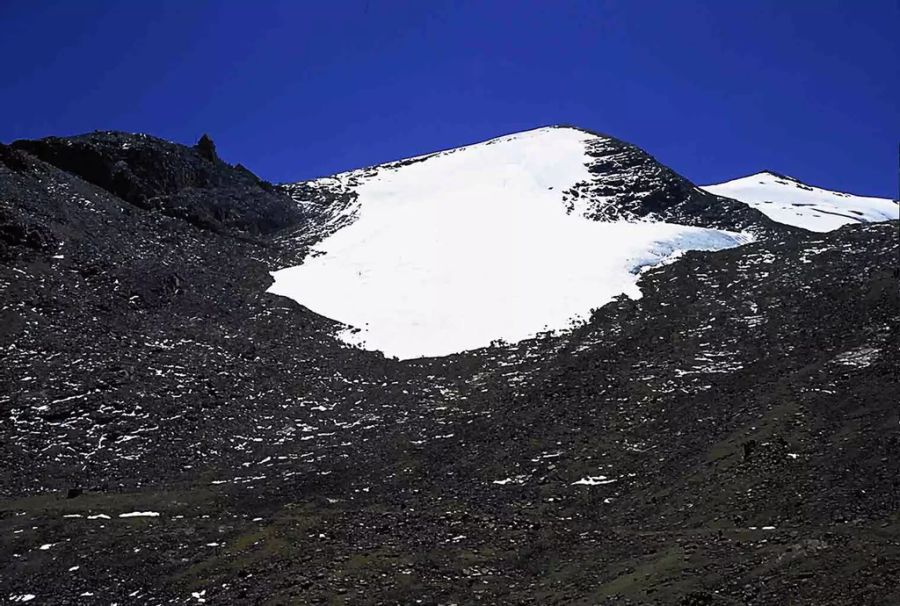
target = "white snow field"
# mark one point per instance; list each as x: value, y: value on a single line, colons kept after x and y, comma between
x: 471, y: 245
x: 786, y: 200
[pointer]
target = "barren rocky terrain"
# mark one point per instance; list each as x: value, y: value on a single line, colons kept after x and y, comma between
x: 171, y: 433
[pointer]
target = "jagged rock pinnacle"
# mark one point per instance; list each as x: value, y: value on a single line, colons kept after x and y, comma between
x: 206, y: 148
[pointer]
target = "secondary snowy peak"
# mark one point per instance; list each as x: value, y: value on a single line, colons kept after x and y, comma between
x: 792, y: 202
x: 499, y: 240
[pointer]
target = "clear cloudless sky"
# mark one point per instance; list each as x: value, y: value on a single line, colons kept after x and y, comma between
x: 298, y: 89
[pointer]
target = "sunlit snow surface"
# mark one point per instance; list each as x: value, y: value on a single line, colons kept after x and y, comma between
x: 473, y: 245
x: 791, y: 202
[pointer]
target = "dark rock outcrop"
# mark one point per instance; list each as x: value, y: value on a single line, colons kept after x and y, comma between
x: 189, y: 183
x: 206, y: 148
x: 629, y: 183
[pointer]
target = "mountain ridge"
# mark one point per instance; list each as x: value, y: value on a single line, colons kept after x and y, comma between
x: 790, y: 201
x: 787, y: 177
x: 666, y: 194
x: 181, y: 181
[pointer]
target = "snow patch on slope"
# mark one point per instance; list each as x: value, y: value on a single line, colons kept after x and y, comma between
x: 464, y: 247
x: 791, y: 202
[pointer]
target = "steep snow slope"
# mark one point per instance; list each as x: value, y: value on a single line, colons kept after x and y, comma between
x: 787, y: 200
x: 448, y: 252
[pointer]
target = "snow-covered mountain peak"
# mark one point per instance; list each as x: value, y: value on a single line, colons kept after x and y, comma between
x: 503, y: 239
x: 790, y: 201
x: 593, y: 175
x: 777, y: 175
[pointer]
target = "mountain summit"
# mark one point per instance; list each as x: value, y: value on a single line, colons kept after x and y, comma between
x: 792, y: 202
x: 499, y: 240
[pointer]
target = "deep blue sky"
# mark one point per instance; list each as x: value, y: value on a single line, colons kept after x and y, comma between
x: 295, y: 89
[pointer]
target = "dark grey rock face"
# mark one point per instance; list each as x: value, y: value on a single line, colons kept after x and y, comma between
x: 630, y: 184
x: 729, y: 438
x: 188, y: 183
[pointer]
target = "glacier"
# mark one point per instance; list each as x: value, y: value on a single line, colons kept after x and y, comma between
x: 472, y: 245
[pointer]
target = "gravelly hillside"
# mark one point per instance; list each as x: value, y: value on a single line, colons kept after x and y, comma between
x: 729, y: 438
